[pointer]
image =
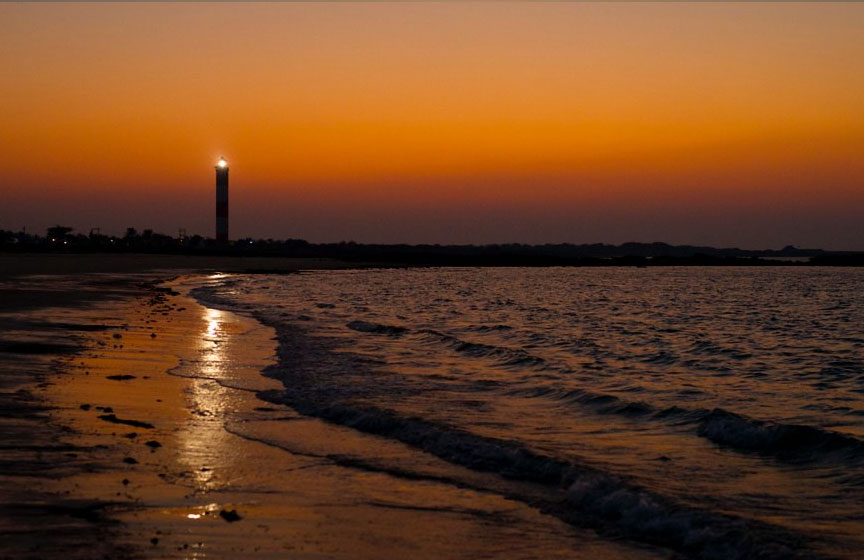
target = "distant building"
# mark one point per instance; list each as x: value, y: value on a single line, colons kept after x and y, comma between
x: 222, y: 202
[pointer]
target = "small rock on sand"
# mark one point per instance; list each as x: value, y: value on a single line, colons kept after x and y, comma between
x: 230, y: 515
x: 153, y: 444
x: 134, y: 423
x: 130, y: 461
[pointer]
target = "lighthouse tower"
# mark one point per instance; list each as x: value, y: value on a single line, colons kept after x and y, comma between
x: 222, y: 202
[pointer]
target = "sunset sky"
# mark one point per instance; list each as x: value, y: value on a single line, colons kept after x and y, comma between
x: 729, y: 124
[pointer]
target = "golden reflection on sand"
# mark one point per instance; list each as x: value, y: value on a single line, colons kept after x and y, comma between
x: 213, y: 316
x: 204, y: 446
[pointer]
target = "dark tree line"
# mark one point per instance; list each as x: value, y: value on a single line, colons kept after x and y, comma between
x: 65, y: 239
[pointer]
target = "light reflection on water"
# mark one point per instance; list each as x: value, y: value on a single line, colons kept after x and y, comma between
x: 212, y: 316
x: 224, y: 368
x: 204, y: 443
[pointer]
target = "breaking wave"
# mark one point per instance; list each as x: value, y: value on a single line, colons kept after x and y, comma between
x: 591, y: 497
x: 790, y: 442
x: 377, y: 328
x: 784, y: 441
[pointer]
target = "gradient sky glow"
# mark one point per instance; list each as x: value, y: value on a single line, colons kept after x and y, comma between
x: 729, y: 124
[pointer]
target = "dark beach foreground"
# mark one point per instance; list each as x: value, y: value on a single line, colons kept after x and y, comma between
x: 132, y: 428
x: 58, y: 312
x: 36, y: 451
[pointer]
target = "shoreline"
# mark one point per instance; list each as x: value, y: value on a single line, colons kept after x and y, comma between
x: 163, y: 426
x: 131, y: 424
x: 177, y: 456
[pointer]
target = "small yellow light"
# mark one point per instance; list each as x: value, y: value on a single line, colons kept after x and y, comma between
x: 222, y: 163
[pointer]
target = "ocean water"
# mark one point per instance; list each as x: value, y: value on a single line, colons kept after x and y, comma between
x: 712, y: 412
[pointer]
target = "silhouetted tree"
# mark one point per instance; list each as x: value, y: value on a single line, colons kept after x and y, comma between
x: 58, y: 234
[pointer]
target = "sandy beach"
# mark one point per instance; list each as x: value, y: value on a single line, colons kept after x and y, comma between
x: 133, y: 429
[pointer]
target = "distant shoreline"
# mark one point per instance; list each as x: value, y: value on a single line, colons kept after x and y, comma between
x: 20, y: 264
x: 23, y: 263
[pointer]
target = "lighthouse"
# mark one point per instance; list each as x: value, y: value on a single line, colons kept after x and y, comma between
x: 222, y: 202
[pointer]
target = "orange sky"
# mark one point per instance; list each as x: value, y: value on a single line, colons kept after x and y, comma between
x: 725, y: 123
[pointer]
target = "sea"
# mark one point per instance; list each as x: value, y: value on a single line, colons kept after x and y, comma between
x: 717, y: 413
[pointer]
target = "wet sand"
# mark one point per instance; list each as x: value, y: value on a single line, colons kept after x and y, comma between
x: 145, y: 438
x: 37, y: 348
